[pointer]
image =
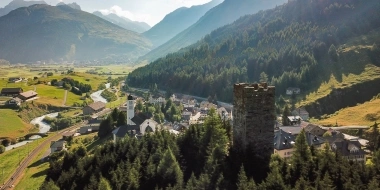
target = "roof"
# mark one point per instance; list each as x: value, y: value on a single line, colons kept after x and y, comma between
x: 28, y: 94
x: 16, y: 99
x: 346, y: 147
x: 283, y: 140
x: 97, y: 105
x: 11, y: 90
x: 123, y: 130
x: 313, y: 140
x: 57, y: 144
x: 294, y: 130
x: 310, y: 127
x: 301, y: 111
x: 139, y: 118
x: 294, y: 118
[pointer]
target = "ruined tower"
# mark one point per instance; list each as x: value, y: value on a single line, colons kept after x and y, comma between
x: 254, y: 118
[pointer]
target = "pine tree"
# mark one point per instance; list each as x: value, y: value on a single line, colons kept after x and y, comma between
x: 243, y: 182
x: 121, y: 119
x: 104, y: 184
x: 373, y: 184
x: 285, y: 115
x: 168, y: 169
x: 274, y: 179
x: 114, y: 114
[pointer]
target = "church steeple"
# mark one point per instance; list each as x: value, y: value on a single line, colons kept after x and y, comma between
x: 130, y: 110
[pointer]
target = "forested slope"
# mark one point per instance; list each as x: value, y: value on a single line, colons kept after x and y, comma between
x: 294, y: 45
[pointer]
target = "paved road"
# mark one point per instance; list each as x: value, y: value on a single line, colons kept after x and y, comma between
x: 13, y: 180
x: 346, y: 127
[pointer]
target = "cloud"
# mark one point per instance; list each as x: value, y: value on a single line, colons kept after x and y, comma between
x: 127, y: 14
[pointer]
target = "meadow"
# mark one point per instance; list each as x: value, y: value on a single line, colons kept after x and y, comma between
x: 35, y: 173
x: 363, y: 114
x: 9, y: 160
x: 11, y: 125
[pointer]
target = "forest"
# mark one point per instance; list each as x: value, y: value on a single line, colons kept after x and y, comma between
x: 203, y: 158
x: 293, y: 45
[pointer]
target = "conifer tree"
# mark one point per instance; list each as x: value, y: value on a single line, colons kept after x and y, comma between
x: 285, y: 115
x: 243, y: 182
x: 121, y: 119
x: 168, y: 169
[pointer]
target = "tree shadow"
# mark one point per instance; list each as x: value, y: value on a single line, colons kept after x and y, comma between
x: 37, y: 163
x: 40, y: 173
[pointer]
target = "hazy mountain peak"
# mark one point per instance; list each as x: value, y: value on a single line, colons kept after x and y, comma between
x: 124, y: 22
x: 72, y: 5
x: 177, y: 21
x: 15, y: 4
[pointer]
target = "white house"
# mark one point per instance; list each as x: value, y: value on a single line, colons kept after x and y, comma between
x: 291, y: 91
x: 157, y: 100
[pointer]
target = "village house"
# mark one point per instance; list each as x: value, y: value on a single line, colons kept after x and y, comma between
x: 208, y: 105
x: 291, y: 91
x: 11, y: 91
x: 28, y: 95
x: 314, y: 140
x: 302, y: 113
x: 315, y: 130
x: 95, y: 107
x: 14, y: 102
x: 283, y: 143
x: 350, y: 150
x: 294, y: 120
x: 57, y: 146
x: 157, y: 100
x: 14, y: 79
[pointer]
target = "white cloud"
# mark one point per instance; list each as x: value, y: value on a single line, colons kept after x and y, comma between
x: 127, y: 14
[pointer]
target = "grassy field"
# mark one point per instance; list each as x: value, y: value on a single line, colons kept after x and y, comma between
x: 11, y: 125
x: 10, y: 159
x: 35, y: 173
x: 370, y: 72
x: 363, y: 114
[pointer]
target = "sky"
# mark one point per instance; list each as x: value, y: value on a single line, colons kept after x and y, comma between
x: 149, y: 11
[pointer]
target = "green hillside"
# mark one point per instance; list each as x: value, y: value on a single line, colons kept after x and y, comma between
x: 220, y: 15
x: 43, y: 32
x: 300, y: 44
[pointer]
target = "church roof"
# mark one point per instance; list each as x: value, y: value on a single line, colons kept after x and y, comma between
x: 123, y: 130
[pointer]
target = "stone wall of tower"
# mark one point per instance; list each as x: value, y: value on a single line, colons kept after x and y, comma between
x: 254, y: 117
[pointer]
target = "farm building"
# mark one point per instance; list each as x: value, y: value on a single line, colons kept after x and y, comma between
x: 94, y: 108
x: 27, y: 95
x: 11, y: 91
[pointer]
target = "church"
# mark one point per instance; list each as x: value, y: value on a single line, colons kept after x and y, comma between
x: 137, y: 124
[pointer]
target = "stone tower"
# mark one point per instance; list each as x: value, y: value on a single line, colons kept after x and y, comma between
x: 254, y: 118
x: 130, y: 110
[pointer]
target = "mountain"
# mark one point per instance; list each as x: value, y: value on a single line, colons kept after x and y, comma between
x: 43, y: 32
x: 17, y: 4
x: 72, y: 5
x: 177, y: 21
x: 123, y: 22
x: 222, y: 14
x: 317, y: 46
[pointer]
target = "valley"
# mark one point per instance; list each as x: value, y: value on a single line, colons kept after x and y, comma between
x: 223, y: 94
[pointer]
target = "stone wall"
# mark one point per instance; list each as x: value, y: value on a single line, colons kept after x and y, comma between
x: 254, y: 117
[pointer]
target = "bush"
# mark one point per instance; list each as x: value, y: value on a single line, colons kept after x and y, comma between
x: 6, y: 142
x: 2, y: 149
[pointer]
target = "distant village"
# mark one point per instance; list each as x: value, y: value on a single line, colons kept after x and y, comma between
x: 194, y: 112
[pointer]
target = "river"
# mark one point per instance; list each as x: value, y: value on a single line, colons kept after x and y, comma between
x: 44, y: 127
x: 97, y: 97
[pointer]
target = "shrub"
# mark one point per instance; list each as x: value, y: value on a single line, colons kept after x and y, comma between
x: 6, y: 142
x: 2, y: 149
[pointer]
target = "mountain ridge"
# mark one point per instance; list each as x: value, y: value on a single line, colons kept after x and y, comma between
x: 17, y: 4
x: 123, y: 22
x: 44, y: 32
x: 177, y: 21
x: 220, y: 15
